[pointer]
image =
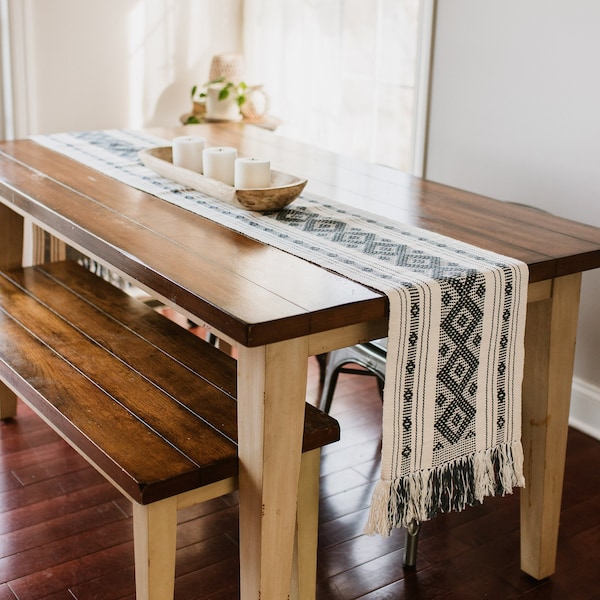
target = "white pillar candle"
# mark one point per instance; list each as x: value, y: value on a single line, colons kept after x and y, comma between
x: 252, y: 173
x: 187, y: 152
x: 219, y: 163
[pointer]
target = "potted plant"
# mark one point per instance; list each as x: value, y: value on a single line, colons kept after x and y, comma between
x: 219, y: 99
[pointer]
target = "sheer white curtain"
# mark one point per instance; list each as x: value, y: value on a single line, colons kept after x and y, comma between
x: 347, y: 75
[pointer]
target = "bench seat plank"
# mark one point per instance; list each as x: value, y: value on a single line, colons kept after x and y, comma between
x: 135, y: 371
x: 204, y: 360
x: 217, y: 367
x: 105, y: 369
x: 68, y: 395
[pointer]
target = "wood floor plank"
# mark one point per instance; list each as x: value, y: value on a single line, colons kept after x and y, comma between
x: 52, y: 466
x: 66, y: 575
x: 56, y: 487
x: 62, y: 527
x: 6, y: 593
x: 53, y: 507
x: 58, y: 563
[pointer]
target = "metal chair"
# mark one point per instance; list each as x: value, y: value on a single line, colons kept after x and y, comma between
x: 371, y: 356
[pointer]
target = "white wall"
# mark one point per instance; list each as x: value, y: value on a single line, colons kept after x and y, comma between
x: 515, y: 114
x: 85, y: 64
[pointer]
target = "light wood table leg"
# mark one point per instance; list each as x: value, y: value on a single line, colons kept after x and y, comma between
x: 271, y: 397
x: 550, y: 348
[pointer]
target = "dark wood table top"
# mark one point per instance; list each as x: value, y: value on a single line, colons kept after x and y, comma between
x: 253, y: 293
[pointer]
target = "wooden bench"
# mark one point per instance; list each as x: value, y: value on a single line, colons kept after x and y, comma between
x: 147, y: 403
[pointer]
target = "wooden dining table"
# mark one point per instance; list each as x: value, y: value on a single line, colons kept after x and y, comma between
x: 278, y: 310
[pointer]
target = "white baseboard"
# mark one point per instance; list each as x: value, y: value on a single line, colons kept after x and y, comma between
x: 585, y: 408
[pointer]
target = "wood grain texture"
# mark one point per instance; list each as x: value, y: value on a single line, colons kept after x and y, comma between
x: 214, y: 271
x: 91, y: 360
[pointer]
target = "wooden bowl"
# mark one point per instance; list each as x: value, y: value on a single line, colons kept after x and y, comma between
x: 284, y: 188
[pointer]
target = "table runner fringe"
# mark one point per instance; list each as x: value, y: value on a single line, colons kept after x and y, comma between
x: 420, y: 496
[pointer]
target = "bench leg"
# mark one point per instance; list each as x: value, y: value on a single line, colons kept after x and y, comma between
x: 304, y: 575
x: 155, y: 537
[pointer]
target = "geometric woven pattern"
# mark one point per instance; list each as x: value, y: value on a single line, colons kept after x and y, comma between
x: 452, y: 398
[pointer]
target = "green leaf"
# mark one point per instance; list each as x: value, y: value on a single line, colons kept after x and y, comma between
x: 217, y: 80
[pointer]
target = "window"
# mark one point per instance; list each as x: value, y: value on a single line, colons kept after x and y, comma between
x: 346, y: 75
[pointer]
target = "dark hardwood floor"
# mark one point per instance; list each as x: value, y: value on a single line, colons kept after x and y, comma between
x: 66, y: 534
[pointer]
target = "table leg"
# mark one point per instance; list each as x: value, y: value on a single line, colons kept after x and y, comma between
x: 271, y: 397
x: 549, y: 354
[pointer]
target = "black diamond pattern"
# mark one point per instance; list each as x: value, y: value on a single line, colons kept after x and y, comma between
x: 459, y: 359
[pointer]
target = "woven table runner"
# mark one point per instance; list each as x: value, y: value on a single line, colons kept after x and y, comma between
x: 452, y: 397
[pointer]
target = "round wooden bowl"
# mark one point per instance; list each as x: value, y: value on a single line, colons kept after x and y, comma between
x: 284, y: 188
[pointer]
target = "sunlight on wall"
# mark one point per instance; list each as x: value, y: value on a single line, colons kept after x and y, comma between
x: 171, y: 43
x: 341, y: 74
x: 136, y: 62
x: 115, y: 63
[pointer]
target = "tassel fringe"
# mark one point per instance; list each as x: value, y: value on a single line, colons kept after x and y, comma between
x: 420, y: 496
